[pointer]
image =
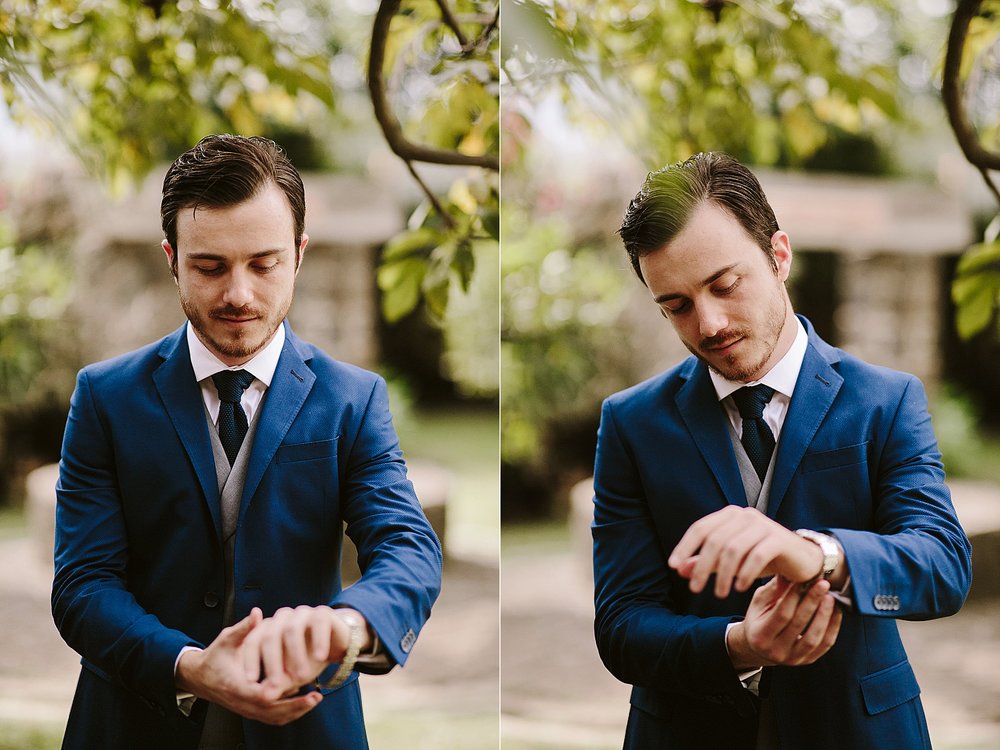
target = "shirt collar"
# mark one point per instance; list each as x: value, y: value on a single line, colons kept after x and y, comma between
x: 262, y: 366
x: 781, y: 377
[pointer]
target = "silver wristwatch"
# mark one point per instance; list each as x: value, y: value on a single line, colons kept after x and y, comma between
x: 829, y: 547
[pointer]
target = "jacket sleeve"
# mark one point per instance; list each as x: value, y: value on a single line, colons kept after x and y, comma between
x: 91, y: 605
x: 641, y: 640
x: 916, y: 561
x: 398, y: 552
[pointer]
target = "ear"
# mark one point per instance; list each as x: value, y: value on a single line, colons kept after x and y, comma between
x: 300, y: 253
x: 782, y: 248
x: 171, y: 258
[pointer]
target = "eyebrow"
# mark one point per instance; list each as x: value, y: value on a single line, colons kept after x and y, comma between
x: 213, y: 256
x: 714, y: 277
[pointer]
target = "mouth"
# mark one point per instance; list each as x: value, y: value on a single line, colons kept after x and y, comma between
x: 235, y: 321
x: 723, y: 348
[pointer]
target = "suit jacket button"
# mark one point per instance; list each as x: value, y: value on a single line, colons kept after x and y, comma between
x: 407, y: 641
x: 211, y: 600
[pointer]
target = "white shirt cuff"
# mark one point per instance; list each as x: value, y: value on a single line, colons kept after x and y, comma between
x: 185, y: 700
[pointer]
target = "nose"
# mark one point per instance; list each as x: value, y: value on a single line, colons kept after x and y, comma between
x: 239, y: 290
x: 712, y: 318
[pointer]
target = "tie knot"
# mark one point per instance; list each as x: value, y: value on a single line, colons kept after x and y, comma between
x: 750, y: 400
x: 231, y: 383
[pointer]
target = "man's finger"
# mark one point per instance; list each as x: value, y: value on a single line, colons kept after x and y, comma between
x: 741, y: 543
x: 289, y: 709
x: 318, y: 634
x: 296, y: 657
x: 235, y: 634
x: 694, y: 537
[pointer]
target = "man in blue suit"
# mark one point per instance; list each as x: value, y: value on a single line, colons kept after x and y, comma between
x: 767, y: 453
x: 203, y: 486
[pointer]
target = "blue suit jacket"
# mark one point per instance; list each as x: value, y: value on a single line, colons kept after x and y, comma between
x: 139, y: 569
x: 856, y: 457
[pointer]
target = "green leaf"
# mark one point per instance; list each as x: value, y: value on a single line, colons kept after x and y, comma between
x: 979, y: 257
x: 491, y: 223
x: 463, y: 263
x: 400, y: 283
x: 975, y: 297
x: 421, y: 240
x: 436, y: 298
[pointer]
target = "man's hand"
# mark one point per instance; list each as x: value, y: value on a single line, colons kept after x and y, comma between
x: 294, y: 646
x: 741, y: 545
x: 785, y: 627
x: 218, y: 675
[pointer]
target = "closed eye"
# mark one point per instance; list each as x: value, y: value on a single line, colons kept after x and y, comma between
x: 729, y: 289
x: 681, y: 306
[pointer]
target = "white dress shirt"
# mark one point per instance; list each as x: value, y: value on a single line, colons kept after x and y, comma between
x: 781, y: 378
x: 261, y: 366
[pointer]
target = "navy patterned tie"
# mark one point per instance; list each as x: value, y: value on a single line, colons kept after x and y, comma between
x: 232, y: 419
x: 757, y: 438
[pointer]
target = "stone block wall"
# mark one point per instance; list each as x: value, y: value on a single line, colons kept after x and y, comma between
x: 890, y: 311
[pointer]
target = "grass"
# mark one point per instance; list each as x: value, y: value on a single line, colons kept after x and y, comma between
x: 466, y: 442
x: 22, y: 736
x: 414, y: 731
x: 532, y: 538
x: 429, y: 731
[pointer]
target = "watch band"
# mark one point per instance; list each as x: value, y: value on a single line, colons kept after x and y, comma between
x: 831, y: 553
x: 350, y: 656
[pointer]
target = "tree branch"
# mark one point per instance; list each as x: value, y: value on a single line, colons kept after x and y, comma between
x: 951, y: 93
x: 487, y: 32
x: 445, y: 216
x: 393, y: 131
x: 989, y: 183
x: 452, y: 22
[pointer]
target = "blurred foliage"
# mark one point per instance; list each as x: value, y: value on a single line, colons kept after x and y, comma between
x: 976, y: 286
x: 822, y: 84
x: 770, y: 83
x: 967, y: 451
x: 472, y: 347
x: 126, y: 87
x: 35, y: 288
x: 557, y: 332
x: 446, y: 95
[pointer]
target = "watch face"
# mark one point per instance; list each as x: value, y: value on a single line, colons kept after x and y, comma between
x: 831, y: 553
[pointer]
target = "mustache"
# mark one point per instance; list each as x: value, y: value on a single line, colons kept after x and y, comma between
x: 234, y: 312
x: 720, y: 339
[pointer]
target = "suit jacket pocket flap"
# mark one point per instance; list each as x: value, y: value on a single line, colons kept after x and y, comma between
x: 889, y: 688
x: 852, y: 454
x: 306, y: 451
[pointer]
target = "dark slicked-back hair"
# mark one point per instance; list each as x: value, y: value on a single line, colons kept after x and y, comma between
x: 224, y: 170
x: 662, y: 207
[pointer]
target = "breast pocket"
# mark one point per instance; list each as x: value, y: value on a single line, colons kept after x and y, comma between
x: 313, y: 451
x: 834, y: 459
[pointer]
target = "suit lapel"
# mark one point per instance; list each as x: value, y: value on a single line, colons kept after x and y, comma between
x: 182, y: 400
x: 705, y: 419
x: 291, y: 384
x: 816, y: 388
